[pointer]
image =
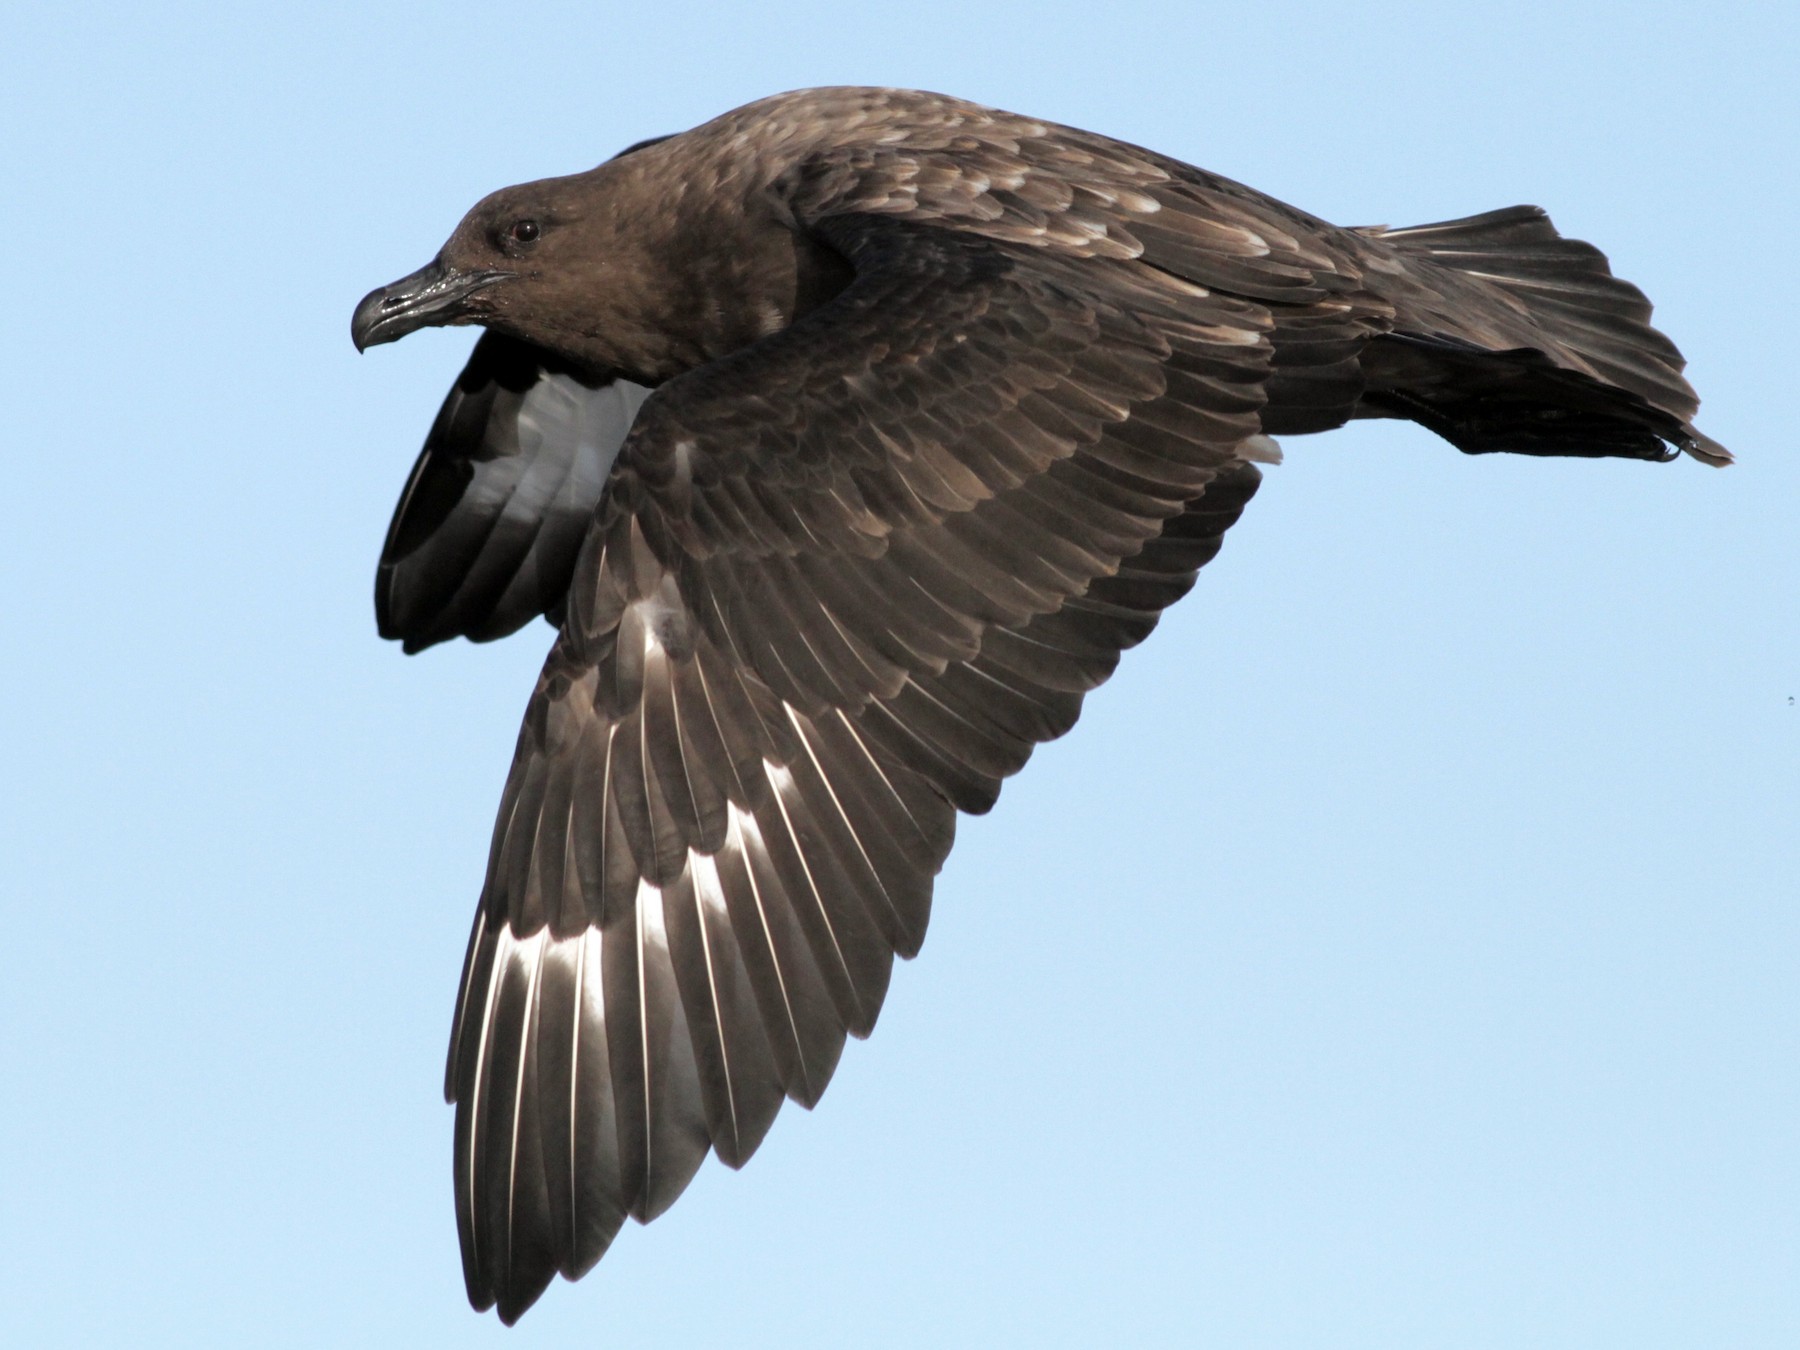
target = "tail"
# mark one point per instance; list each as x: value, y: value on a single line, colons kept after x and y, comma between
x: 1509, y: 337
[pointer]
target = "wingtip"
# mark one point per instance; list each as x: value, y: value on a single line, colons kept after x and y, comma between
x: 517, y: 1298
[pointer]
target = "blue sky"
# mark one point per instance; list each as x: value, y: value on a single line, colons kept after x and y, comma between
x: 1401, y: 952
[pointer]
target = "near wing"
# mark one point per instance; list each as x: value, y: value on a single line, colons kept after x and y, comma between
x: 842, y: 582
x: 485, y: 536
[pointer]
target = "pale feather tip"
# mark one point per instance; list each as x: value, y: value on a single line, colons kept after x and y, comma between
x: 1259, y: 450
x: 1705, y: 449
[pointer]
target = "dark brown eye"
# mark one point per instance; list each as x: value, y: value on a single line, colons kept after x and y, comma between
x: 524, y: 231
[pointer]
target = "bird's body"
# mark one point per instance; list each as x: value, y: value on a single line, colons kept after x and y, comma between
x: 848, y: 439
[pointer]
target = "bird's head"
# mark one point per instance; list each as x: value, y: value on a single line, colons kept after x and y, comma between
x: 645, y: 266
x: 506, y: 265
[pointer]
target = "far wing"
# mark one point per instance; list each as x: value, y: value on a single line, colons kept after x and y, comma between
x: 485, y: 534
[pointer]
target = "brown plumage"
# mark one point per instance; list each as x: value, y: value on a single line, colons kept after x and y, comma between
x: 848, y: 439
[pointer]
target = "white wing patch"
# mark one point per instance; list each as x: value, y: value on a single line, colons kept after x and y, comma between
x: 498, y: 505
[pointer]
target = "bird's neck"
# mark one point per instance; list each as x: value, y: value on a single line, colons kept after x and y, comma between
x: 687, y: 277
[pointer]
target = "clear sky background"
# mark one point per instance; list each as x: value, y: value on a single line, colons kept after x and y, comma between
x: 1402, y: 952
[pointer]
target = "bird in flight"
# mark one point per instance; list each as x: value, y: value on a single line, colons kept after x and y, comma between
x: 847, y: 440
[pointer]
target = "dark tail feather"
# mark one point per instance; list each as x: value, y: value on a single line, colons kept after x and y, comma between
x: 1509, y: 337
